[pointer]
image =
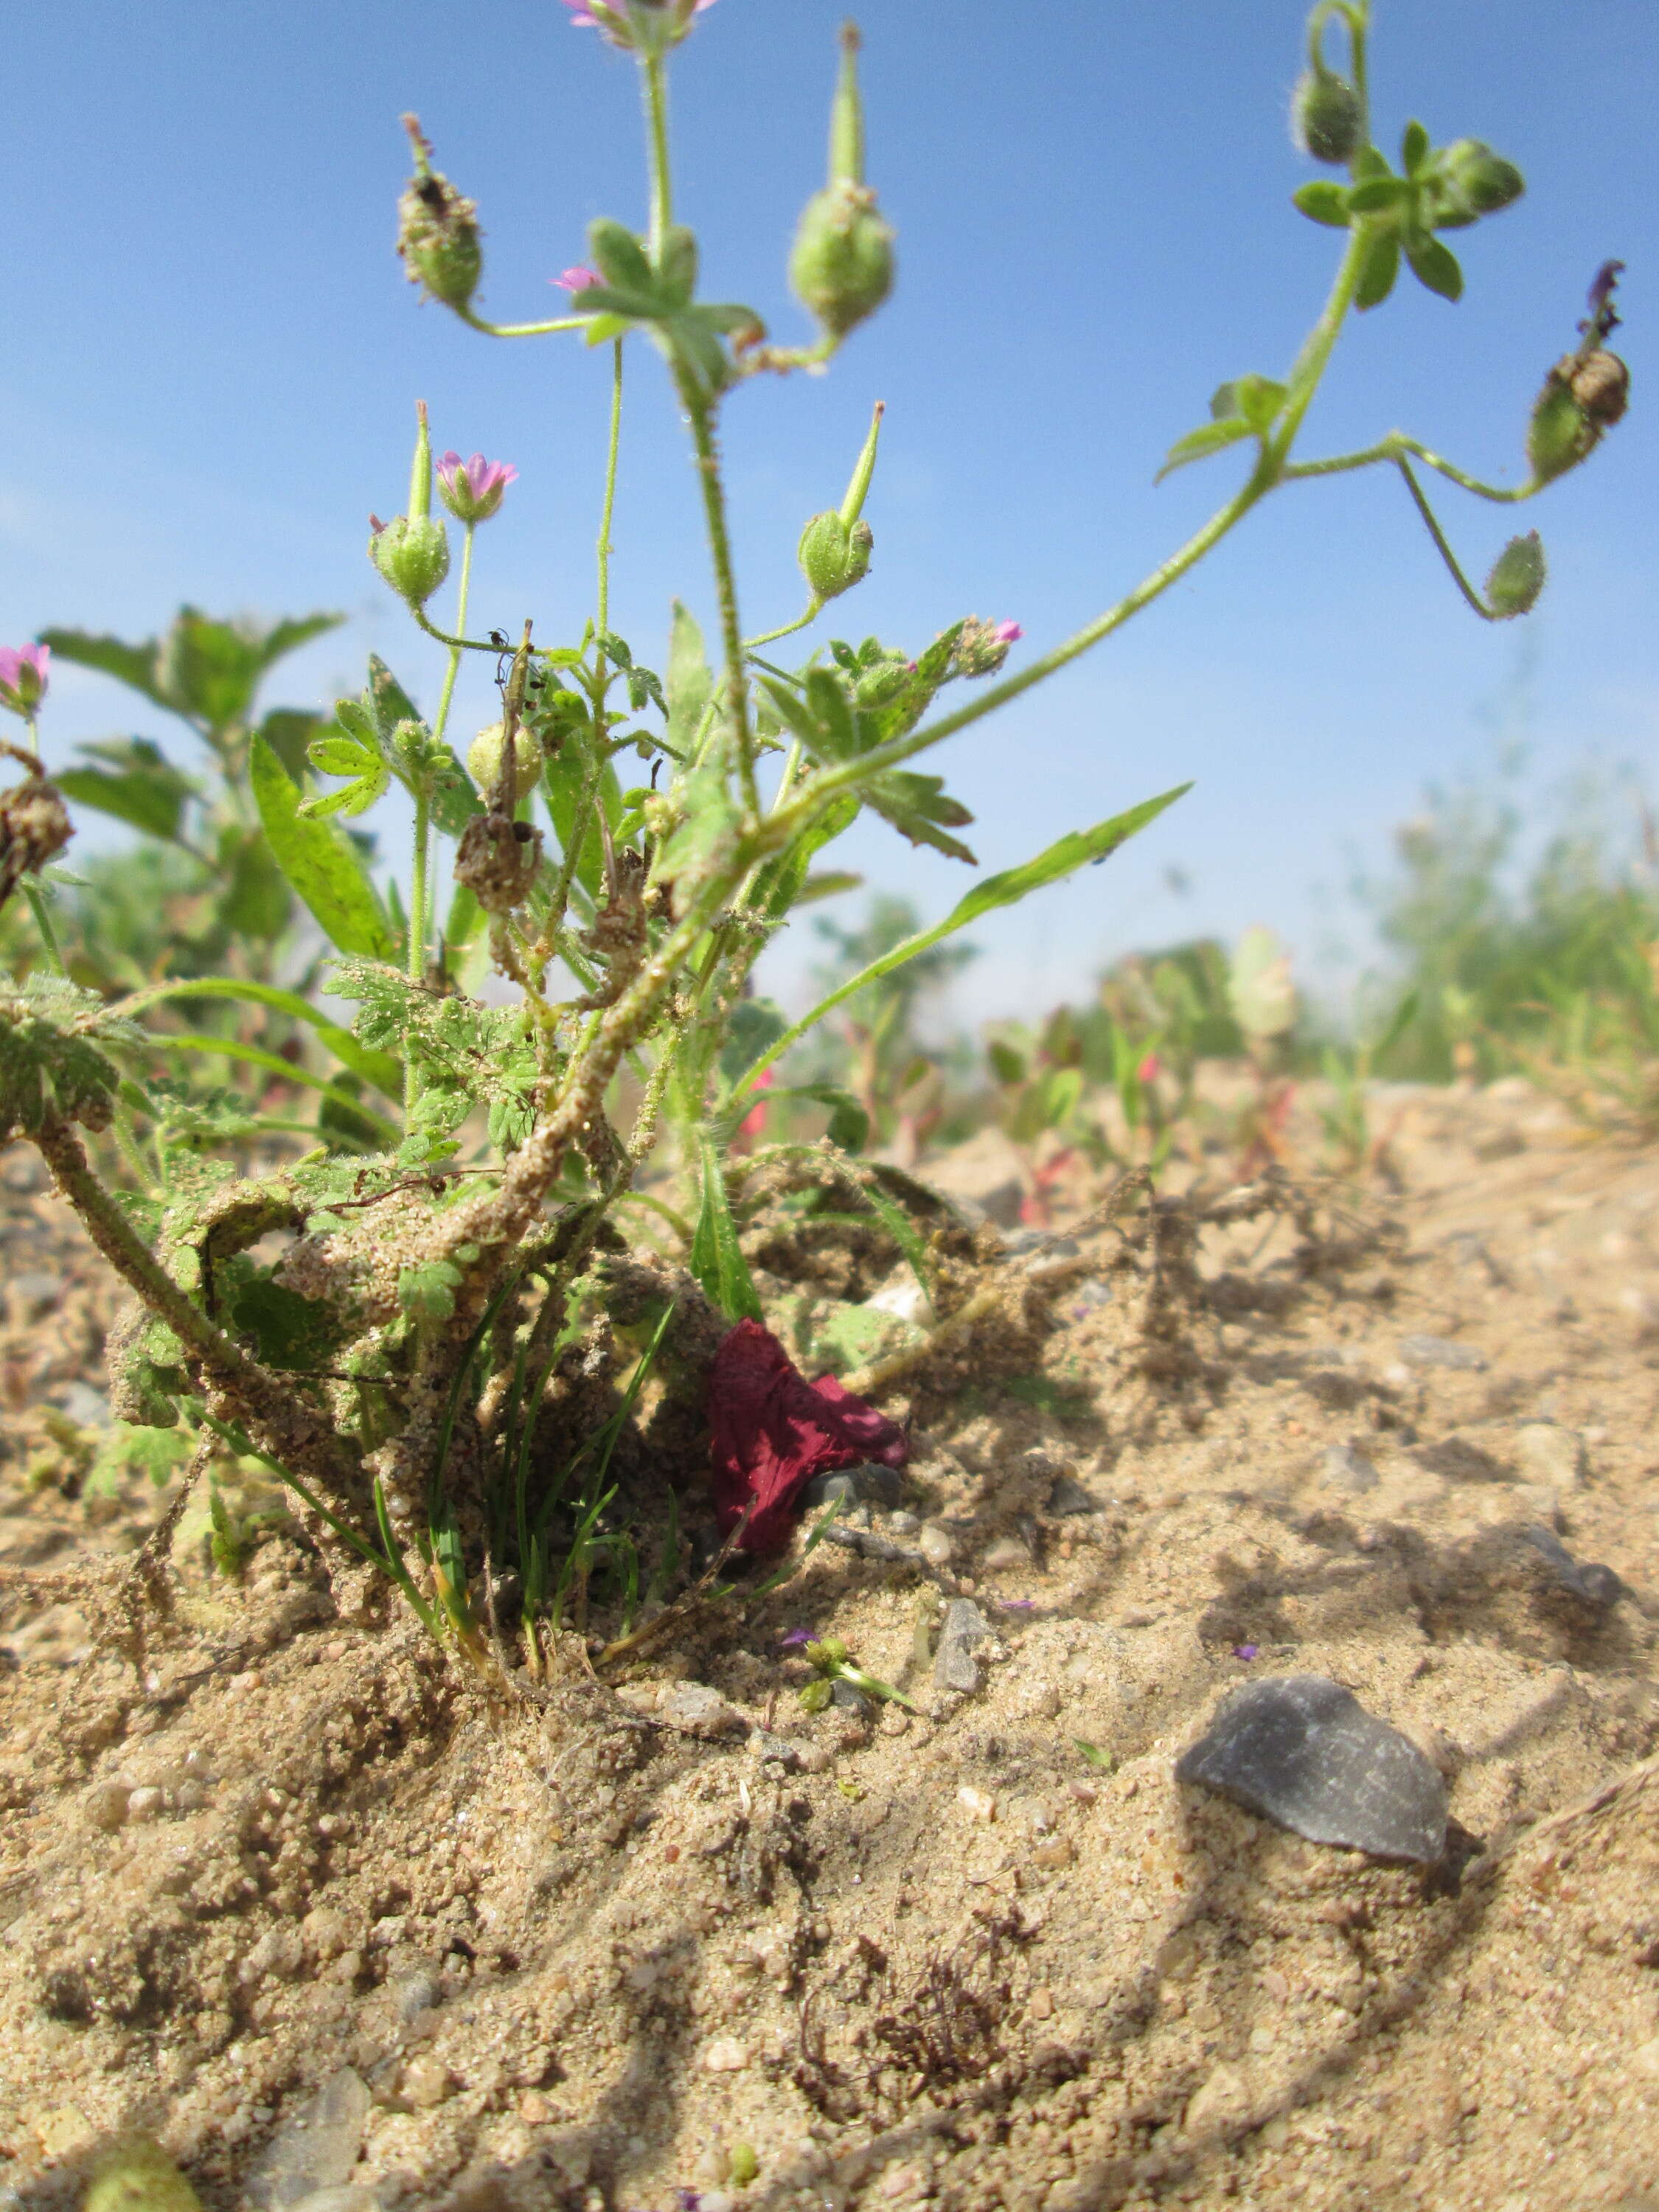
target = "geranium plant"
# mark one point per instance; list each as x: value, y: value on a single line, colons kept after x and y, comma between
x: 424, y: 1330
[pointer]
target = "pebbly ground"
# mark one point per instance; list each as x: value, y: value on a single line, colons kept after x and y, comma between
x: 283, y: 1888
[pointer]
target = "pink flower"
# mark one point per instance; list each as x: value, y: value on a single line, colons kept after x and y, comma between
x: 579, y: 279
x: 1150, y: 1069
x: 23, y: 674
x: 653, y: 24
x: 472, y: 490
x: 770, y: 1431
x: 1007, y: 633
x: 755, y: 1120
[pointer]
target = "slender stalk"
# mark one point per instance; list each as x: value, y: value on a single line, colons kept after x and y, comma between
x: 457, y: 644
x: 654, y: 84
x: 784, y: 823
x: 701, y: 416
x: 522, y: 330
x: 771, y: 637
x: 1395, y: 447
x: 417, y: 926
x: 43, y: 922
x: 1446, y: 554
x: 609, y: 508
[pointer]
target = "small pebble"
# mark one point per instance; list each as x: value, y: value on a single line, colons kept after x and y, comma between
x: 1550, y: 1454
x: 726, y: 2055
x: 978, y: 1804
x: 425, y: 2082
x: 964, y: 1629
x: 1007, y: 1554
x: 1441, y: 1352
x: 1052, y: 1853
x: 902, y: 1523
x: 317, y: 2144
x: 146, y: 1803
x: 1069, y: 1497
x: 698, y: 1710
x: 106, y: 1806
x: 1302, y: 1750
x: 38, y: 1289
x: 773, y: 1750
x: 935, y: 1546
x: 867, y: 1484
x: 1597, y: 1586
x: 86, y: 1407
x: 1349, y: 1469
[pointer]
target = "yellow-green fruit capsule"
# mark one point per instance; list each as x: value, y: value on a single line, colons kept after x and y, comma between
x: 832, y: 557
x: 138, y: 2175
x: 1561, y: 434
x: 412, y: 553
x: 483, y: 760
x: 438, y: 234
x: 1518, y: 577
x: 842, y: 267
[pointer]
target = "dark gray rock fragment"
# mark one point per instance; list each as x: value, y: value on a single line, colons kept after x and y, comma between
x: 1595, y: 1585
x: 1068, y: 1496
x: 1302, y: 1750
x: 313, y: 2149
x: 965, y: 1629
x: 1441, y: 1352
x: 867, y: 1484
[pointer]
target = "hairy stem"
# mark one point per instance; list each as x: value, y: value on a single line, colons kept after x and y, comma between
x: 1431, y: 524
x: 520, y: 330
x: 654, y: 85
x: 1396, y: 447
x: 608, y: 510
x: 700, y: 414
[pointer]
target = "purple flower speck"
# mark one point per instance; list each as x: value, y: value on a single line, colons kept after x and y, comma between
x: 797, y: 1639
x: 24, y: 671
x: 1245, y: 1651
x: 579, y: 279
x: 1018, y: 1604
x: 472, y: 490
x: 1007, y: 633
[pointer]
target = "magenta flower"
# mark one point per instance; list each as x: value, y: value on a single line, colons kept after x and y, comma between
x: 797, y: 1640
x: 24, y: 673
x: 1245, y: 1651
x: 579, y: 279
x: 472, y: 490
x: 1007, y: 633
x: 648, y: 26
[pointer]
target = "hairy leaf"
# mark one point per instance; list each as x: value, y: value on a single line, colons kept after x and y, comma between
x: 323, y: 866
x: 717, y: 1259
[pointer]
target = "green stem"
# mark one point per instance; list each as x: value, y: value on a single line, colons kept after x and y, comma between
x: 654, y: 84
x: 1394, y: 448
x: 461, y: 598
x: 1446, y: 554
x: 609, y: 508
x: 522, y: 330
x: 456, y: 644
x: 701, y: 415
x: 786, y: 822
x: 37, y: 899
x: 770, y: 636
x: 417, y: 904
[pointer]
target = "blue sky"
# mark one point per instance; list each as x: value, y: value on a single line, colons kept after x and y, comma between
x: 212, y: 358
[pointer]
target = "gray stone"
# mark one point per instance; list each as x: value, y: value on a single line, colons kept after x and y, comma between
x: 965, y: 1628
x: 867, y: 1484
x: 314, y: 2149
x: 847, y: 1700
x: 417, y: 1992
x: 1349, y: 1469
x: 698, y: 1710
x: 1068, y: 1496
x: 1597, y: 1586
x: 1302, y: 1750
x: 1440, y: 1351
x: 775, y: 1750
x: 86, y: 1407
x: 38, y: 1289
x: 1550, y: 1454
x: 904, y: 1524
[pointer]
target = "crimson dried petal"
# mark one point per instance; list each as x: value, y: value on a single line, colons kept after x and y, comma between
x: 770, y: 1431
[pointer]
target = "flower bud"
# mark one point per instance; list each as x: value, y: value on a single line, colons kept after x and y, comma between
x: 483, y: 762
x: 1474, y: 181
x: 438, y: 234
x: 1516, y: 578
x: 983, y: 647
x: 473, y: 490
x: 23, y: 678
x: 832, y: 557
x: 842, y: 267
x: 412, y: 555
x: 1325, y: 116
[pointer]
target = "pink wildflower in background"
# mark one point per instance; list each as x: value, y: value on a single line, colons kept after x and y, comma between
x: 472, y: 490
x: 579, y: 279
x: 24, y: 671
x: 1007, y: 633
x: 616, y: 18
x: 1150, y: 1069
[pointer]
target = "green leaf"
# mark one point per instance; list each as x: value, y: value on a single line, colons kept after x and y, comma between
x: 1198, y: 445
x: 378, y: 1068
x: 717, y: 1259
x: 139, y: 788
x: 1323, y: 200
x: 288, y: 731
x: 708, y: 827
x: 343, y: 757
x: 322, y: 866
x: 620, y: 259
x: 1061, y: 859
x: 691, y: 679
x: 836, y: 737
x: 426, y: 1290
x: 754, y: 1024
x: 1259, y: 399
x: 1377, y: 271
x: 829, y: 883
x: 904, y: 1233
x: 256, y: 900
x: 454, y: 801
x: 782, y: 884
x: 388, y: 701
x: 288, y: 1331
x: 1378, y: 195
x: 1413, y: 147
x: 132, y: 665
x: 1105, y: 1760
x: 50, y: 1067
x: 253, y: 1056
x: 1435, y: 265
x: 676, y: 266
x: 920, y: 808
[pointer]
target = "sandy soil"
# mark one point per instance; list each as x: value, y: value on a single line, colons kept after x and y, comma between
x: 641, y: 1947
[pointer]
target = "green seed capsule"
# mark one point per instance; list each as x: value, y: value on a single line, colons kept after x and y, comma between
x: 483, y: 762
x: 1518, y: 577
x: 438, y: 234
x: 1325, y: 116
x: 413, y: 555
x: 832, y: 557
x: 1561, y: 434
x: 842, y: 267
